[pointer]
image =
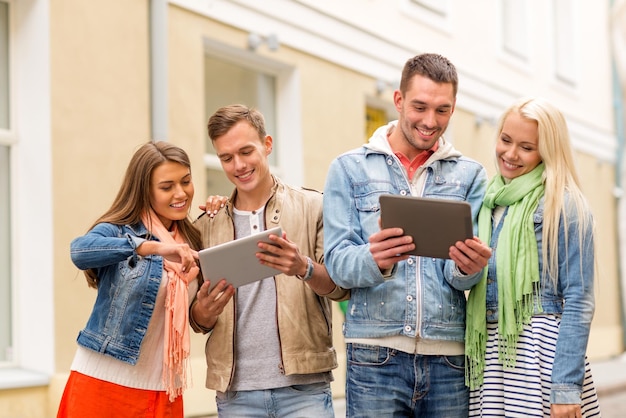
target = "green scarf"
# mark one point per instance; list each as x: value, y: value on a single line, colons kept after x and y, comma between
x: 517, y: 267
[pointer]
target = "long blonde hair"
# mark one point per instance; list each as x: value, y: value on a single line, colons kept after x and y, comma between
x: 563, y: 199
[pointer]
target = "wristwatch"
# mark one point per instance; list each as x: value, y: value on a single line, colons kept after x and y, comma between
x: 309, y: 271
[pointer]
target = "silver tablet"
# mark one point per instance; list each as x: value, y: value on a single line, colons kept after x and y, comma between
x: 434, y: 224
x: 236, y: 261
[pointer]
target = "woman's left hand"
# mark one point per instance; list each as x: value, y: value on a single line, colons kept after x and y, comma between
x: 213, y: 204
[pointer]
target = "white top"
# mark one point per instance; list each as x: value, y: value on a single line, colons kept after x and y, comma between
x: 148, y: 372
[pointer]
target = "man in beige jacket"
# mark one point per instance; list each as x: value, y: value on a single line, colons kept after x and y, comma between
x: 269, y: 350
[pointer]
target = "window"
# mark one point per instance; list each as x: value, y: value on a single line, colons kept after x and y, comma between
x: 5, y: 258
x: 515, y: 29
x: 6, y: 341
x: 237, y: 76
x: 565, y: 41
x: 374, y: 118
x: 4, y: 66
x: 227, y: 83
x: 436, y: 6
x: 26, y: 288
x: 434, y: 13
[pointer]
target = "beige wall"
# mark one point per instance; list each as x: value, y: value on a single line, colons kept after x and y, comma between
x: 25, y: 403
x: 100, y: 114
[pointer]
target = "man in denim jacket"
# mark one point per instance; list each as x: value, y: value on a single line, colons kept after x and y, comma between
x: 405, y: 320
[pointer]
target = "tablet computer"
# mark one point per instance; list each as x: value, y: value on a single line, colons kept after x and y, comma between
x: 434, y: 224
x: 236, y: 261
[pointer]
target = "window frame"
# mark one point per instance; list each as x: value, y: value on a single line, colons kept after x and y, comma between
x: 31, y: 197
x: 518, y: 49
x: 8, y: 140
x: 433, y: 13
x: 565, y: 41
x: 289, y: 149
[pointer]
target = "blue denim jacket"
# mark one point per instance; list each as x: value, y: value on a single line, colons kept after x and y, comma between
x: 422, y: 296
x: 572, y: 300
x: 127, y: 290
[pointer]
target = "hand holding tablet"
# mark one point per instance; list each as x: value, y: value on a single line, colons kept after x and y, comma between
x: 236, y: 261
x: 434, y: 224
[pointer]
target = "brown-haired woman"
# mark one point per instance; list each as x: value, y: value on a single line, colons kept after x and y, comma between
x: 141, y: 256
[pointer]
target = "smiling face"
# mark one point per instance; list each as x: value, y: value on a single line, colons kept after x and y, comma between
x: 171, y: 192
x: 243, y: 156
x: 424, y: 113
x: 517, y: 147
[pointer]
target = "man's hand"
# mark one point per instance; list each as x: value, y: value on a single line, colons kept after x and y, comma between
x: 471, y: 255
x: 211, y: 302
x: 282, y: 254
x: 390, y: 245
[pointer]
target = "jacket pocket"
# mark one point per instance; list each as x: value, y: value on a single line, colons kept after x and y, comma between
x: 133, y: 267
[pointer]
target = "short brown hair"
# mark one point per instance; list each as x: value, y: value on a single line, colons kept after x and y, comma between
x: 228, y: 116
x: 433, y: 66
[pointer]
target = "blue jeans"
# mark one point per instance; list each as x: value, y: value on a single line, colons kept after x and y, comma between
x: 314, y: 400
x: 383, y: 382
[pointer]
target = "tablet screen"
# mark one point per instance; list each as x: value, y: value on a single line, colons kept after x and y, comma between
x: 434, y: 224
x: 236, y: 261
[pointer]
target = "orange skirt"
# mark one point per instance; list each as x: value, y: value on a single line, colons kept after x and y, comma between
x: 86, y: 396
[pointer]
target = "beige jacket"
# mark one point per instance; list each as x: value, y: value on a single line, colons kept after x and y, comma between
x: 303, y: 317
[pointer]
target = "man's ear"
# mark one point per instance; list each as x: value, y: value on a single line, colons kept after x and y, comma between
x: 397, y: 100
x: 269, y: 141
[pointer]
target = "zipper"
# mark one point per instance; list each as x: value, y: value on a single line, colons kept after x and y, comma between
x: 421, y: 184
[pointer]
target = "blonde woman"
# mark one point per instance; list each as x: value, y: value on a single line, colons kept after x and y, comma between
x: 528, y: 319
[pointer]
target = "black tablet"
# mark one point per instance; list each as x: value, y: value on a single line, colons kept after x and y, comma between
x: 434, y: 224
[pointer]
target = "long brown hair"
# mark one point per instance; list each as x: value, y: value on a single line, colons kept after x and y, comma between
x: 133, y: 197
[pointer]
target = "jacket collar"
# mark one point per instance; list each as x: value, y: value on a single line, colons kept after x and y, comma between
x: 273, y: 205
x: 379, y: 144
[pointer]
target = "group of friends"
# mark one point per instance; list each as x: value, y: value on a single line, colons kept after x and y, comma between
x: 500, y: 328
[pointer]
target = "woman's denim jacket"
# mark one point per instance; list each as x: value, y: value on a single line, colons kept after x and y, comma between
x: 127, y: 290
x: 421, y: 296
x: 572, y: 301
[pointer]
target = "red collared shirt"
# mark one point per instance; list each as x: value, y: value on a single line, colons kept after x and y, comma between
x: 412, y: 166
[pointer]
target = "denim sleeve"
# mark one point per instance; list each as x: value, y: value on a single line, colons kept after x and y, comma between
x: 576, y: 280
x: 475, y: 195
x: 103, y: 245
x: 346, y: 248
x: 458, y: 280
